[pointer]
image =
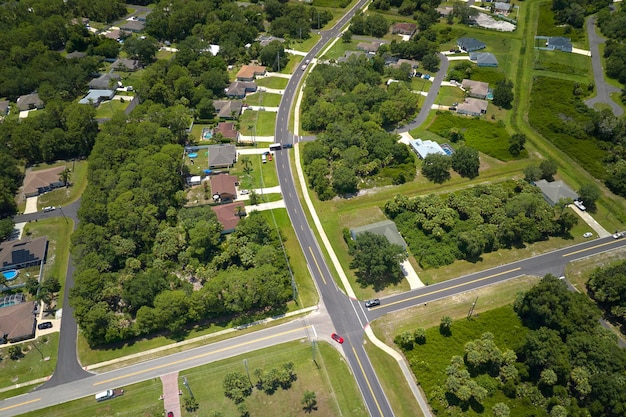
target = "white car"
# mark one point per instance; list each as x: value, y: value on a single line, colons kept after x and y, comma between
x: 588, y: 234
x: 49, y: 208
x: 618, y: 235
x: 580, y: 205
x: 244, y: 192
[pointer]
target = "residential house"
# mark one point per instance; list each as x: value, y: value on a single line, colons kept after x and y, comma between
x: 484, y: 59
x: 95, y: 97
x: 472, y: 107
x: 502, y: 7
x: 224, y: 187
x: 29, y: 102
x: 39, y: 182
x: 368, y: 47
x: 227, y: 130
x: 112, y: 34
x: 18, y: 254
x: 124, y: 64
x: 470, y: 44
x: 17, y: 322
x: 555, y: 191
x: 414, y: 64
x: 559, y: 43
x: 4, y: 107
x: 385, y: 228
x: 105, y: 81
x: 75, y: 55
x: 423, y: 148
x: 229, y: 215
x: 239, y: 89
x: 403, y: 28
x: 228, y: 109
x: 250, y: 72
x: 222, y: 156
x: 266, y: 40
x: 346, y: 56
x: 133, y: 25
x: 444, y: 11
x: 143, y: 17
x: 476, y: 89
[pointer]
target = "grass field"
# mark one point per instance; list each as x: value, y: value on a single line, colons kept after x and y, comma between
x: 332, y: 382
x: 482, y: 135
x: 272, y: 82
x: 565, y: 63
x: 261, y: 175
x: 264, y: 99
x: 547, y: 26
x: 32, y: 365
x: 265, y: 123
x: 108, y: 108
x: 339, y: 49
x: 306, y: 45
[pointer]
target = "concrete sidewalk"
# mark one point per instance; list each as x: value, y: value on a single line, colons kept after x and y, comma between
x: 253, y: 139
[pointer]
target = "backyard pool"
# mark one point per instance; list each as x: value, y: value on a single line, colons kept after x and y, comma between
x: 10, y: 274
x: 193, y: 155
x: 207, y: 134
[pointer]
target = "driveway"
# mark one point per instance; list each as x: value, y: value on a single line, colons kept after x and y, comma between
x: 591, y: 222
x: 603, y: 90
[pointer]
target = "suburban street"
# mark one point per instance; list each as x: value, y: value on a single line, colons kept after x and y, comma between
x: 337, y: 312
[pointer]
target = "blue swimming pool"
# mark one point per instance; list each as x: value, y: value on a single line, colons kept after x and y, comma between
x: 193, y: 155
x: 10, y: 274
x: 447, y: 149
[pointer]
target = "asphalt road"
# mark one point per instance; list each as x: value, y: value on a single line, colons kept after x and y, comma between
x: 68, y: 368
x: 603, y: 89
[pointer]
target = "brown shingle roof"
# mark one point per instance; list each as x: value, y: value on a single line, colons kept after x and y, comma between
x: 224, y: 185
x: 227, y: 129
x: 17, y: 322
x: 34, y: 180
x: 226, y: 215
x: 248, y: 72
x: 16, y: 253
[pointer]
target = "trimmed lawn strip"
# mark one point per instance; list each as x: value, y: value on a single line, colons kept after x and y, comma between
x: 66, y: 195
x: 109, y: 108
x: 339, y: 49
x: 292, y: 65
x: 31, y: 366
x: 336, y: 392
x: 58, y: 231
x: 196, y: 131
x: 272, y: 82
x: 264, y: 99
x: 265, y: 122
x: 392, y: 380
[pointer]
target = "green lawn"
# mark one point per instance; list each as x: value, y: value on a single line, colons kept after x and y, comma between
x: 292, y: 65
x: 272, y: 82
x: 264, y: 99
x: 265, y: 122
x: 260, y: 175
x: 108, y: 108
x: 65, y: 196
x: 339, y: 49
x: 564, y: 63
x: 33, y: 365
x: 58, y: 231
x: 332, y: 382
x: 420, y: 84
x: 305, y: 45
x: 449, y: 95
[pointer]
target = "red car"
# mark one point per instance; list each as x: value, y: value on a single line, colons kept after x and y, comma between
x: 337, y: 338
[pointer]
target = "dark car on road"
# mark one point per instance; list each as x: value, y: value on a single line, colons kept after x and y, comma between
x: 337, y: 338
x: 372, y: 303
x: 44, y: 325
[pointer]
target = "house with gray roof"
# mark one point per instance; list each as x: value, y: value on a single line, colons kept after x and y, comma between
x: 105, y: 81
x: 95, y: 97
x: 228, y: 109
x: 346, y: 56
x: 472, y: 107
x: 470, y: 44
x: 559, y: 43
x: 385, y: 228
x: 423, y: 148
x: 4, y: 107
x: 484, y: 59
x: 368, y: 47
x: 555, y: 191
x: 134, y: 25
x: 124, y: 64
x: 29, y: 102
x: 476, y: 89
x: 75, y: 55
x: 502, y: 7
x: 17, y: 322
x: 18, y: 254
x: 239, y: 89
x: 222, y: 156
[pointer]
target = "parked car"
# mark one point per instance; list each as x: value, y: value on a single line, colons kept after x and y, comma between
x: 452, y: 108
x: 372, y: 303
x: 49, y: 208
x: 244, y: 192
x: 44, y: 325
x: 588, y: 234
x: 426, y: 77
x: 618, y: 235
x: 287, y: 145
x: 580, y: 205
x: 337, y: 338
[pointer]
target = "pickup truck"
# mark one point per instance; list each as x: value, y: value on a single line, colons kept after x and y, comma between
x: 108, y: 394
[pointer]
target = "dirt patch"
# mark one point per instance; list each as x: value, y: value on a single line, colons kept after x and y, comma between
x: 486, y: 21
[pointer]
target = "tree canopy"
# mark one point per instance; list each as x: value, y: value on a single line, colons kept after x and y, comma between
x: 376, y: 260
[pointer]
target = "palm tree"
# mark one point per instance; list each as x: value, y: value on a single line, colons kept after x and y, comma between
x: 65, y: 176
x: 309, y: 400
x: 245, y: 160
x: 240, y: 211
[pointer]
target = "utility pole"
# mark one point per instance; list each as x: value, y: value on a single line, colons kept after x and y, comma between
x: 188, y: 387
x: 278, y: 60
x: 245, y: 363
x: 471, y: 310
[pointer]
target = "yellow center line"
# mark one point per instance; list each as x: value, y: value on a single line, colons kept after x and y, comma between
x: 198, y: 356
x: 584, y: 250
x: 20, y: 404
x: 317, y: 265
x: 448, y: 288
x: 368, y: 382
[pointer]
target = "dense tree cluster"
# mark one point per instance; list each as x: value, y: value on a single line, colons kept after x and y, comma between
x: 136, y: 244
x: 573, y: 12
x: 10, y: 179
x: 466, y: 224
x: 608, y: 287
x: 294, y: 21
x: 371, y: 24
x: 376, y: 260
